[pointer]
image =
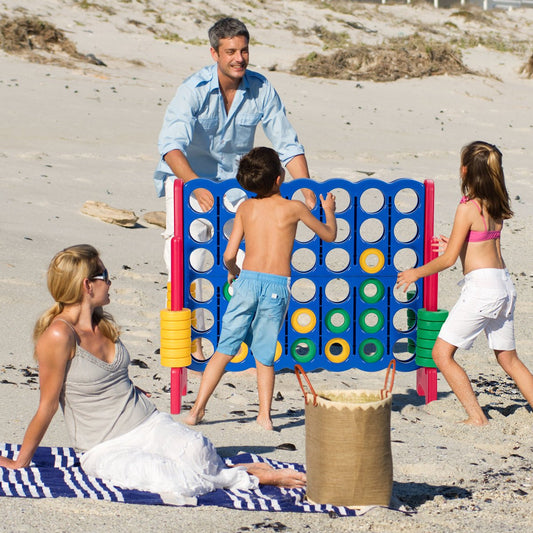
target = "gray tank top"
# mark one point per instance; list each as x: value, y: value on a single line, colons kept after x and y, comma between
x: 99, y: 400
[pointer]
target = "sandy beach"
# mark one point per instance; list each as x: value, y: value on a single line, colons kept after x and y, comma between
x: 74, y: 131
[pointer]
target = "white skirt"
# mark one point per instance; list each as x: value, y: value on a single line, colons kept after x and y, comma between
x: 165, y: 457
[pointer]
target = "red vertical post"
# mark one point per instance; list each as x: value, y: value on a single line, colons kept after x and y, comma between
x: 431, y: 283
x: 178, y: 376
x: 426, y: 378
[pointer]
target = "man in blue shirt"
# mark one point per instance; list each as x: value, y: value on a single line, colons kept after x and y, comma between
x: 212, y: 119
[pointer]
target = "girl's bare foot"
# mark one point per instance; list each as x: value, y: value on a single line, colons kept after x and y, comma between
x: 194, y: 417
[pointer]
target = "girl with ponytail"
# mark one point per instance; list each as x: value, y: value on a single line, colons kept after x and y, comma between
x: 488, y: 295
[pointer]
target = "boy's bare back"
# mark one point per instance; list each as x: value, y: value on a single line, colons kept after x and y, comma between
x: 269, y: 225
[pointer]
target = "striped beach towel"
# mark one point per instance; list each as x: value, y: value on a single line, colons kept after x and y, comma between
x: 55, y: 472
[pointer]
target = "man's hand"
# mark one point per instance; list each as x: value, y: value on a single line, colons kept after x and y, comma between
x: 310, y: 198
x: 204, y: 198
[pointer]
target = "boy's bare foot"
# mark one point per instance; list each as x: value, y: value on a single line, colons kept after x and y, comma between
x: 279, y: 477
x: 265, y: 423
x: 475, y: 422
x: 194, y: 417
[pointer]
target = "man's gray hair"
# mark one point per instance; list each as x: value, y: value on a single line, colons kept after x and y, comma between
x: 226, y: 28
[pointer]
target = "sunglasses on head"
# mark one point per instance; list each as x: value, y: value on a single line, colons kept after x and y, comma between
x: 104, y: 276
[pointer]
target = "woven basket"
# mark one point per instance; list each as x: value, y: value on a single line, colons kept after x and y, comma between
x: 347, y: 445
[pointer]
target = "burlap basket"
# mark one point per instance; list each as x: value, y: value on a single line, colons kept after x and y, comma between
x: 347, y: 444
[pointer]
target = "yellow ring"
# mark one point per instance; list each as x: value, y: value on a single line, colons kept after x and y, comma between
x: 175, y: 316
x: 297, y: 326
x: 177, y: 362
x: 176, y: 343
x: 175, y: 334
x: 364, y: 256
x: 279, y: 351
x: 173, y: 352
x: 344, y: 353
x: 241, y: 354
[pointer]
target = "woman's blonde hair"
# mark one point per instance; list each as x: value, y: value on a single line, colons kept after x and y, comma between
x: 483, y: 178
x: 65, y: 277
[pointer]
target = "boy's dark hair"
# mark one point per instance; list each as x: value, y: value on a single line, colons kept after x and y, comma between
x: 258, y: 170
x: 226, y: 28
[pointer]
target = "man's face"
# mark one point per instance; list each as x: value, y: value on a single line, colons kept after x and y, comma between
x: 232, y: 57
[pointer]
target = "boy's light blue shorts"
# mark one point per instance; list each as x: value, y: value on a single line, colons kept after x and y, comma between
x: 255, y: 315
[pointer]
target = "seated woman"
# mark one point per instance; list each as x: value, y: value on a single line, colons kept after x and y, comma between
x: 83, y: 366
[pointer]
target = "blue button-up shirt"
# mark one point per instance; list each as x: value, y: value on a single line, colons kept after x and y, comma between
x: 196, y: 123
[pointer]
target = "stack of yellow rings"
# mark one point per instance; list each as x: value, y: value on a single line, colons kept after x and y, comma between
x: 175, y: 338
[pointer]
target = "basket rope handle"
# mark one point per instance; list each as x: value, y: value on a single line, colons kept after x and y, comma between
x: 388, y: 389
x: 299, y: 371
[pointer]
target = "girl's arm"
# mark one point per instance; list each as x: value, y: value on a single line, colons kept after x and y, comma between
x: 326, y: 231
x: 234, y: 241
x: 54, y: 350
x: 461, y: 226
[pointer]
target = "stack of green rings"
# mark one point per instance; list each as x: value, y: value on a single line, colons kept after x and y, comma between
x: 428, y: 328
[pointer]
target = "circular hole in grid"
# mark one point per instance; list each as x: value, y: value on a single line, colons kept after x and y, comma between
x: 202, y: 319
x: 405, y: 258
x: 403, y: 320
x: 343, y: 230
x: 406, y: 230
x: 337, y: 290
x: 233, y: 198
x: 201, y: 260
x: 372, y: 200
x: 201, y: 290
x: 406, y: 200
x: 303, y: 259
x: 404, y: 349
x: 228, y: 227
x: 342, y: 199
x: 193, y: 202
x: 299, y: 195
x: 201, y: 230
x: 303, y: 290
x: 407, y: 296
x: 303, y: 233
x: 202, y: 349
x: 337, y: 260
x: 371, y: 230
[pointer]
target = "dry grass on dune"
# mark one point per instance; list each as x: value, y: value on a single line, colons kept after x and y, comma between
x: 38, y: 41
x: 402, y: 57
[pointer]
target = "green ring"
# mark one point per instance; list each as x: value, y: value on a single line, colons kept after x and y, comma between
x: 425, y: 353
x: 433, y: 316
x: 225, y: 291
x: 371, y: 358
x: 425, y: 343
x: 427, y: 334
x: 371, y: 329
x: 337, y: 329
x: 422, y: 361
x: 380, y: 291
x: 303, y: 358
x: 431, y: 326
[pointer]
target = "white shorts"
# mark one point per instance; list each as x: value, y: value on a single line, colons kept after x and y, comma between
x: 486, y: 304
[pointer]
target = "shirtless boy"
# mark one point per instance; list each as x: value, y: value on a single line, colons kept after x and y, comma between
x: 261, y: 290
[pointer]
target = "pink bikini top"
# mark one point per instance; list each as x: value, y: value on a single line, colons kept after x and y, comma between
x: 479, y: 236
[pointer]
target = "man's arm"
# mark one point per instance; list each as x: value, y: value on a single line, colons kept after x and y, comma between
x: 181, y: 168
